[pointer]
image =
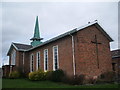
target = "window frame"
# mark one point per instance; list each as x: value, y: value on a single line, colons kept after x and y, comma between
x: 45, y: 60
x: 13, y: 57
x: 37, y: 68
x: 31, y: 67
x: 54, y: 58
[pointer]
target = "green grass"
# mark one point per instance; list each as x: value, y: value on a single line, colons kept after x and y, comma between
x: 24, y: 83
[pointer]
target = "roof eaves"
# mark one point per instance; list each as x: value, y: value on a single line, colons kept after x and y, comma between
x: 55, y: 38
x: 103, y: 31
x: 14, y: 46
x: 98, y: 26
x: 84, y: 26
x: 73, y: 31
x: 22, y: 50
x: 11, y: 47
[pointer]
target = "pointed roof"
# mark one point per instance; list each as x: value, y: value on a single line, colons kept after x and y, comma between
x: 36, y: 31
x: 22, y: 46
x: 19, y: 47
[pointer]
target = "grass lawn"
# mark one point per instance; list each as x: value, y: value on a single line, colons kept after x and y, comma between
x: 24, y: 83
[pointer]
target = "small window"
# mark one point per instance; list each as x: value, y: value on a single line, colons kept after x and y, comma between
x: 45, y: 59
x: 38, y: 61
x: 32, y: 63
x: 55, y: 58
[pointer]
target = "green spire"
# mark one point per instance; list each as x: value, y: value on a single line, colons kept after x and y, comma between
x: 36, y: 33
x: 36, y: 40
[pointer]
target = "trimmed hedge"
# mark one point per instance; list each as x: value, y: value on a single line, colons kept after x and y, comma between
x: 37, y: 75
x: 40, y: 75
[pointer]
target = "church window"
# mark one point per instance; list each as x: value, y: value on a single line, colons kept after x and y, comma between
x: 55, y: 58
x: 13, y: 57
x: 38, y: 61
x: 32, y: 63
x: 45, y: 59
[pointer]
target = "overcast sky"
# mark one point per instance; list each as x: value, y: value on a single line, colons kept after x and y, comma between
x: 18, y: 20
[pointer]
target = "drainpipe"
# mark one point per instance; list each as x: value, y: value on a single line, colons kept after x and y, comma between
x: 73, y: 52
x: 23, y: 60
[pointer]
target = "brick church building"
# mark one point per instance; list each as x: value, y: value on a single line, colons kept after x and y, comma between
x: 83, y: 50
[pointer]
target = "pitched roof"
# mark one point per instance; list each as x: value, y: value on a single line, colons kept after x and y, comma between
x: 115, y: 53
x: 22, y: 46
x: 19, y: 47
x: 73, y: 31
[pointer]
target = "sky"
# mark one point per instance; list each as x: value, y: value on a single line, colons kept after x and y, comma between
x: 55, y: 18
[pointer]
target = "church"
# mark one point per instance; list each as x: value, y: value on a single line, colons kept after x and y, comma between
x: 83, y: 50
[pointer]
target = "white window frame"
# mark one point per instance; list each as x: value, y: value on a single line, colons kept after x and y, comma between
x: 37, y: 59
x: 54, y: 58
x: 45, y: 60
x: 31, y: 67
x: 13, y: 57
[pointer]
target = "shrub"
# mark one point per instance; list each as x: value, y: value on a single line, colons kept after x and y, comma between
x: 74, y: 80
x: 14, y: 75
x: 37, y: 75
x: 106, y: 77
x: 57, y: 75
x: 91, y: 80
x: 48, y: 75
x: 109, y: 76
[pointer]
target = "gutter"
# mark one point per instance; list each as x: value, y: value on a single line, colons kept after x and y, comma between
x: 23, y: 60
x: 73, y: 51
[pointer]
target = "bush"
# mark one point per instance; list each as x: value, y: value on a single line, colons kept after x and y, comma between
x: 57, y: 75
x: 14, y: 75
x: 74, y: 80
x: 92, y: 80
x: 48, y: 75
x: 37, y: 75
x: 107, y: 76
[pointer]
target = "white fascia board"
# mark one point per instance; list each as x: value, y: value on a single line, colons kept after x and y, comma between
x: 84, y: 26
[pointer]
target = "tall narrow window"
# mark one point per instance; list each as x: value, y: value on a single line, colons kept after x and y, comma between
x: 13, y: 57
x: 32, y: 63
x: 38, y: 61
x: 45, y: 59
x: 55, y: 58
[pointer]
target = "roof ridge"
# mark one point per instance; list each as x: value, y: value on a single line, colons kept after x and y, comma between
x: 86, y: 25
x: 21, y: 43
x: 73, y: 31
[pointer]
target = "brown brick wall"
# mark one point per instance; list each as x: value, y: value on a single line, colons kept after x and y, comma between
x: 85, y: 51
x: 64, y: 51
